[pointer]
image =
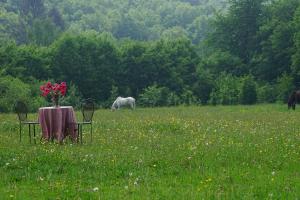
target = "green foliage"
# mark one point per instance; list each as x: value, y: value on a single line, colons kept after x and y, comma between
x: 277, y: 41
x: 295, y: 57
x: 285, y: 85
x: 248, y: 93
x: 188, y: 98
x: 73, y: 97
x: 204, y: 85
x: 43, y: 32
x: 236, y: 31
x: 227, y: 90
x: 161, y: 96
x: 152, y: 96
x: 185, y: 47
x: 266, y: 94
x: 223, y: 61
x: 138, y: 20
x: 11, y: 90
x: 89, y: 61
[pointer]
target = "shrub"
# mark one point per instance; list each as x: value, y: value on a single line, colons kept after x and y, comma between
x: 11, y: 90
x: 226, y: 91
x: 72, y: 97
x: 248, y: 93
x: 266, y: 94
x: 152, y: 96
x: 188, y: 98
x: 284, y: 87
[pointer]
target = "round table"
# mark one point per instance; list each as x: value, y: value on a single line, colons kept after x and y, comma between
x: 58, y: 122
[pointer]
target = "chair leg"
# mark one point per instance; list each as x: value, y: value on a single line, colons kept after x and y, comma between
x: 91, y: 132
x: 29, y: 133
x: 81, y: 134
x: 78, y: 133
x: 34, y: 134
x: 20, y: 132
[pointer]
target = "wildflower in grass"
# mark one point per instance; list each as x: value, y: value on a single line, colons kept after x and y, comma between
x: 273, y: 173
x: 126, y: 187
x: 271, y: 195
x: 6, y: 164
x: 95, y: 189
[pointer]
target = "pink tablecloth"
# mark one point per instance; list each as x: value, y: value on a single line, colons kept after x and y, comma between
x: 58, y: 122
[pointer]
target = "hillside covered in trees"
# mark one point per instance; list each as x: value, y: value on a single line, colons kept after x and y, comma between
x: 161, y: 52
x: 42, y: 21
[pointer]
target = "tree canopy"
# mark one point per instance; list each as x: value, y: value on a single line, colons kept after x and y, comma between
x: 163, y: 52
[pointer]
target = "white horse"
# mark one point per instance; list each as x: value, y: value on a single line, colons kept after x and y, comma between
x: 120, y: 101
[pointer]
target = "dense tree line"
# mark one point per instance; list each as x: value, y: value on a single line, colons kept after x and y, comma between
x: 161, y: 52
x: 42, y: 21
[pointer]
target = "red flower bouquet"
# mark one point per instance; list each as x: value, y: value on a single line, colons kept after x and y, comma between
x: 55, y: 90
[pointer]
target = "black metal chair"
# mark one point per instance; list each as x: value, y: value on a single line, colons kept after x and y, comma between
x: 21, y: 109
x: 87, y: 110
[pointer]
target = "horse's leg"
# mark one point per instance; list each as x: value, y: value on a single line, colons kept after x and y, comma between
x: 294, y: 106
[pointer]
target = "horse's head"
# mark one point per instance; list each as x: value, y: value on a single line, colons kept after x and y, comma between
x: 113, y: 106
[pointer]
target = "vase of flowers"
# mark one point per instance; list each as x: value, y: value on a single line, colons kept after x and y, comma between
x: 55, y: 91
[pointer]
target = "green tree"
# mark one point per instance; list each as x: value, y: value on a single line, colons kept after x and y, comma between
x: 89, y: 61
x: 266, y: 93
x: 11, y: 90
x: 285, y: 85
x: 276, y: 36
x: 296, y: 54
x: 204, y: 84
x: 43, y: 32
x: 151, y: 96
x: 248, y: 93
x: 227, y: 90
x: 236, y: 31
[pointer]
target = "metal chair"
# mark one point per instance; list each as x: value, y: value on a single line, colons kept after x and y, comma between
x: 87, y: 110
x: 21, y: 109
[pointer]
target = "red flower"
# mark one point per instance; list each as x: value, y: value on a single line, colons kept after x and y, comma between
x: 53, y: 89
x: 49, y: 85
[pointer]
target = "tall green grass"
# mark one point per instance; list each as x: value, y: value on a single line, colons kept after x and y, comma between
x: 234, y: 152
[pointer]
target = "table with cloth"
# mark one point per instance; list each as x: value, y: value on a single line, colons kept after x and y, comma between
x: 58, y: 122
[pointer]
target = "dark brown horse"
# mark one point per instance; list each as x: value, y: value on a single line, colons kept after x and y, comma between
x: 294, y: 99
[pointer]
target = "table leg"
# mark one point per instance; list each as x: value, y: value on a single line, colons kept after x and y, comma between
x: 29, y: 133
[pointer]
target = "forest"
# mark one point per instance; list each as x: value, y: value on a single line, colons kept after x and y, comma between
x: 163, y: 53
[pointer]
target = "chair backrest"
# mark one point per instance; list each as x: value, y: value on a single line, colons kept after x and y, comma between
x: 87, y: 109
x: 21, y: 109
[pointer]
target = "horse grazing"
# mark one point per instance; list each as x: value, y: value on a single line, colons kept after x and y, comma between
x: 120, y: 102
x: 294, y: 99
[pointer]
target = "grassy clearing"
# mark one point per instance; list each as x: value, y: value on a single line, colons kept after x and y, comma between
x: 234, y: 152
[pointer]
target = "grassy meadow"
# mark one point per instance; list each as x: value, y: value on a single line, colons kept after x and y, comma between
x: 205, y: 152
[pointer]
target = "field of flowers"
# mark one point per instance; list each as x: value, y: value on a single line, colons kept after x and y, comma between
x: 232, y: 152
